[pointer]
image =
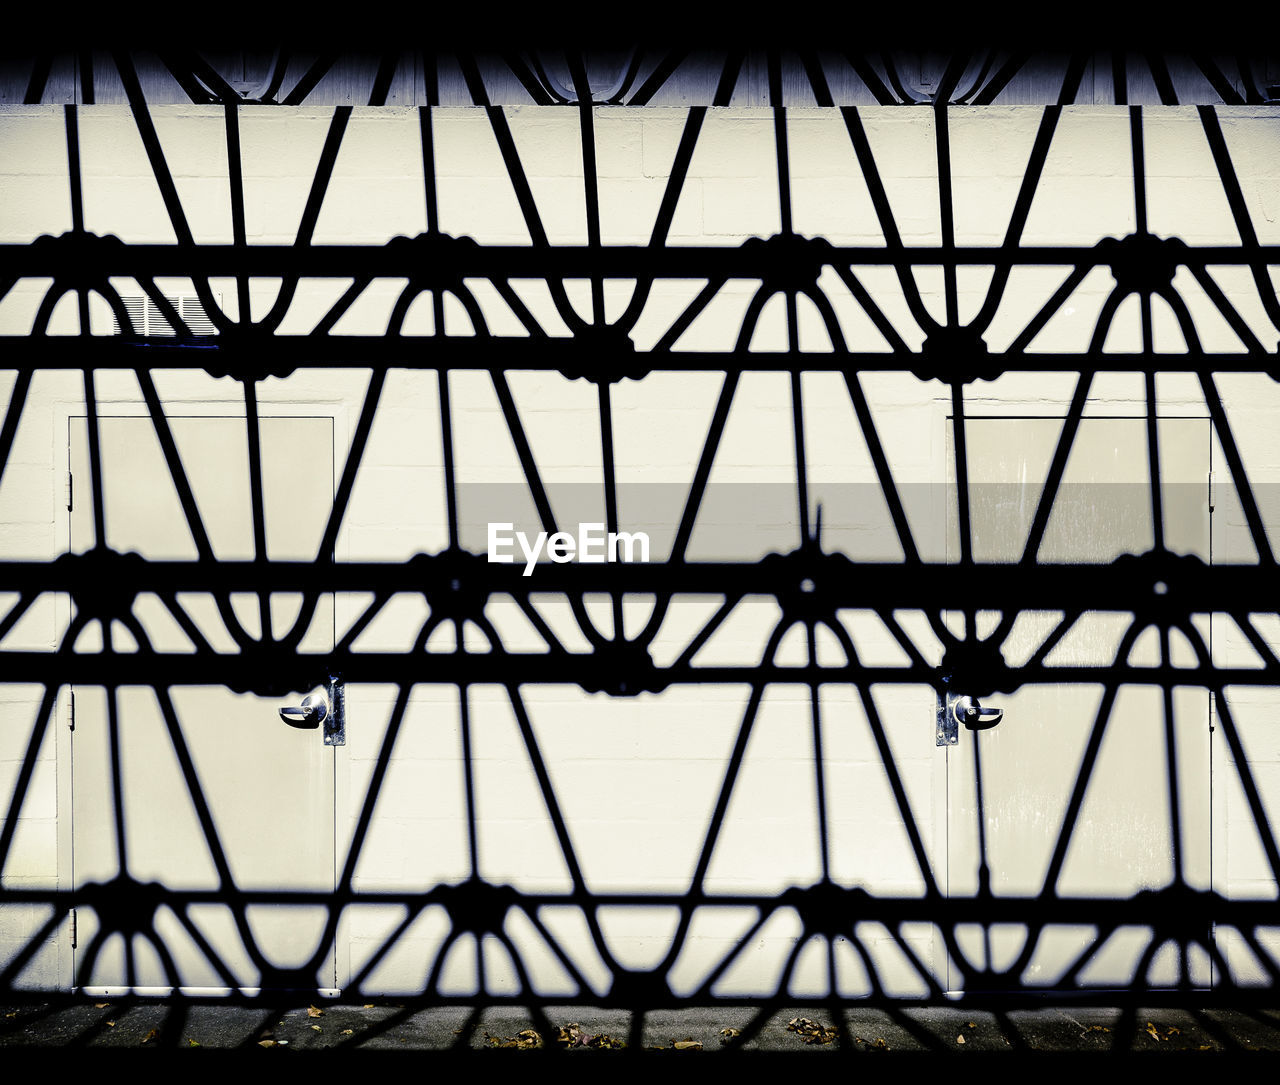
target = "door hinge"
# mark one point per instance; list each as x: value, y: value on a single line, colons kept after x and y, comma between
x: 73, y: 928
x: 71, y: 710
x: 69, y: 490
x: 1213, y: 712
x: 1212, y: 495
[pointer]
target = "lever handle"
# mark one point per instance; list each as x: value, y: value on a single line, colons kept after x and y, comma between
x: 976, y: 718
x: 308, y: 715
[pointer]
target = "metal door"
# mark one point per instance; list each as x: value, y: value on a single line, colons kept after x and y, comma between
x: 201, y: 822
x: 1087, y: 793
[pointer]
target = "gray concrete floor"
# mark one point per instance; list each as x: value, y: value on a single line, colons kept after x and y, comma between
x: 386, y: 1027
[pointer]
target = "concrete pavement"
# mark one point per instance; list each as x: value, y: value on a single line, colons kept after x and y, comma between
x: 123, y: 1025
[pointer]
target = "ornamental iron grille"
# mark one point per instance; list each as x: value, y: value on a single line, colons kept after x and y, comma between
x: 793, y: 630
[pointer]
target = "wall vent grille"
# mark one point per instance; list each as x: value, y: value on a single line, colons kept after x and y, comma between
x: 150, y: 322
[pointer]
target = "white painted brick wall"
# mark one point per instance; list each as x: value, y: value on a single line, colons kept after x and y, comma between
x: 636, y: 778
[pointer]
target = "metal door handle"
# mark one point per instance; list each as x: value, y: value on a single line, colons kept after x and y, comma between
x: 968, y: 711
x: 328, y: 706
x: 308, y: 715
x: 957, y: 708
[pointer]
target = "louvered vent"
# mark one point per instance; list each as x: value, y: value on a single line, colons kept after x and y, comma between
x: 149, y: 321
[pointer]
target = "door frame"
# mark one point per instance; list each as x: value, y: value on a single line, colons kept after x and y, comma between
x: 272, y: 402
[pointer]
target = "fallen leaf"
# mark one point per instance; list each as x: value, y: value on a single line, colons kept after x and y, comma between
x: 193, y: 1043
x: 811, y: 1032
x: 972, y: 1025
x: 1155, y: 1034
x: 570, y: 1035
x: 111, y: 1024
x: 150, y: 1036
x: 313, y: 1011
x: 605, y: 1042
x: 689, y: 1044
x: 266, y: 1043
x: 101, y: 1005
x: 727, y: 1034
x: 369, y: 1006
x: 347, y: 1031
x: 960, y: 1039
